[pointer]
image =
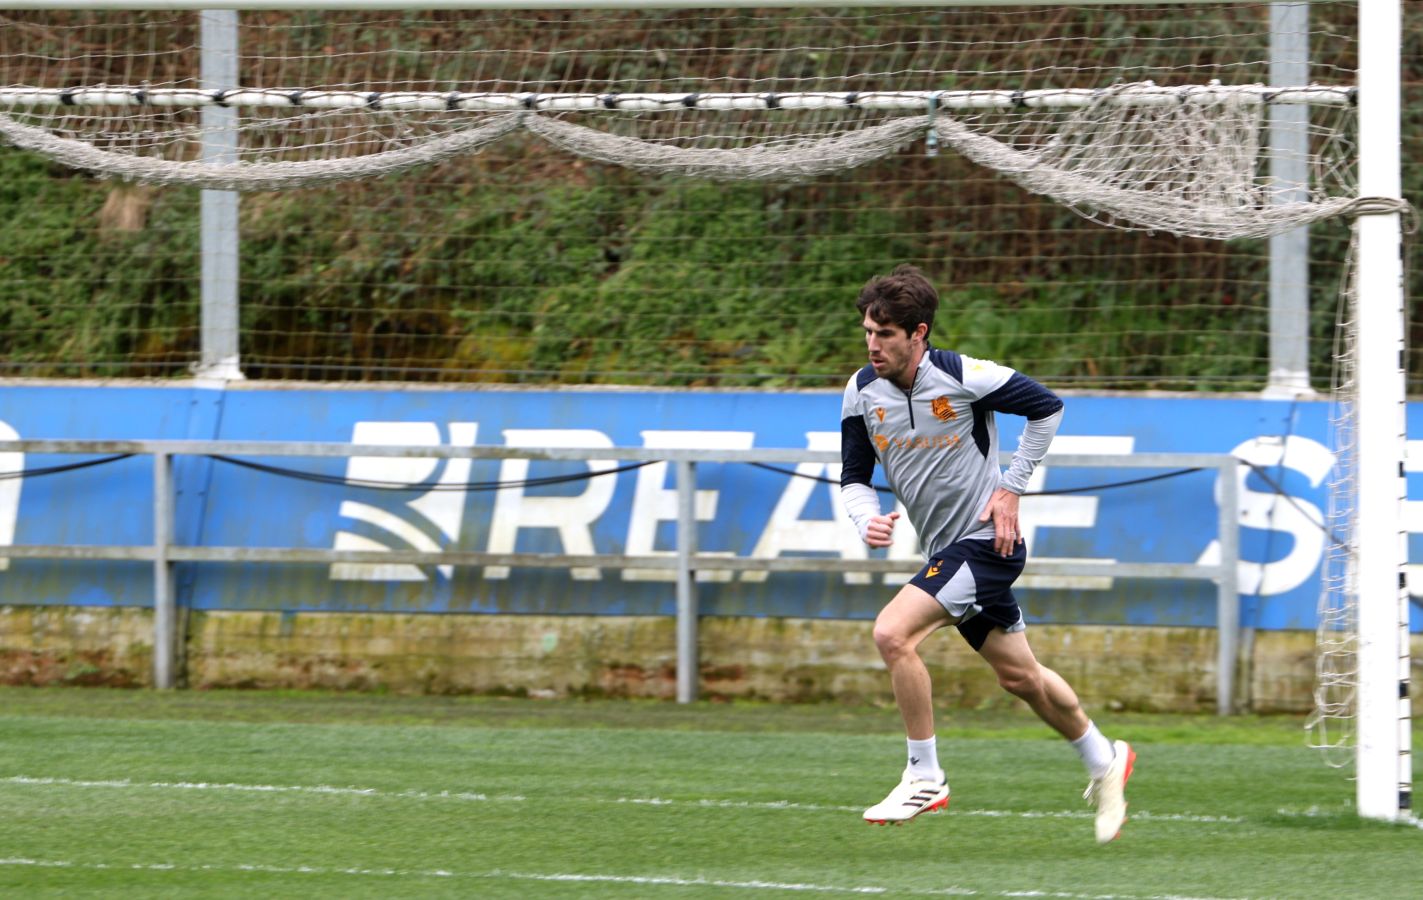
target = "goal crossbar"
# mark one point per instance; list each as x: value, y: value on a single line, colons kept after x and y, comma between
x: 450, y: 101
x: 534, y: 5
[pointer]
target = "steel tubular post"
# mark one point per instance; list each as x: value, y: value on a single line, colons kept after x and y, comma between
x: 163, y: 607
x: 219, y: 355
x: 1228, y: 588
x: 688, y: 664
x: 1289, y: 170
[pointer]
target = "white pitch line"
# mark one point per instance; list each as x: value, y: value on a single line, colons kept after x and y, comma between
x: 122, y: 783
x: 469, y: 796
x: 575, y: 878
x: 958, y: 811
x: 1314, y: 812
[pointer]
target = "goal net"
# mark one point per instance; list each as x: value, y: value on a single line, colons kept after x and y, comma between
x: 1145, y: 123
x: 1160, y: 120
x: 873, y: 136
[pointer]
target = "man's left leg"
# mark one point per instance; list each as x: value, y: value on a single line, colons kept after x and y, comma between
x: 1109, y: 763
x: 900, y: 628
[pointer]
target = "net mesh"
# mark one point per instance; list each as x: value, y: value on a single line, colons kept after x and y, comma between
x: 848, y: 140
x: 1331, y: 725
x: 1136, y: 118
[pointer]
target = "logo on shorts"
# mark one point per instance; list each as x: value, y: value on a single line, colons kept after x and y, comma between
x: 879, y: 411
x: 933, y: 568
x: 942, y: 409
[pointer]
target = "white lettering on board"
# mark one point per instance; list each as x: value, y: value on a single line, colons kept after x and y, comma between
x: 440, y: 507
x: 571, y: 516
x: 9, y: 492
x: 1268, y: 511
x: 1066, y: 511
x: 1413, y: 515
x: 653, y: 502
x: 787, y: 532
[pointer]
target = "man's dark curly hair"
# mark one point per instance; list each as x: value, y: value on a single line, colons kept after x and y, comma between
x: 904, y: 297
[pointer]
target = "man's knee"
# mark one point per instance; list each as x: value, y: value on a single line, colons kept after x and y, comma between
x: 893, y: 642
x: 906, y: 621
x: 1021, y: 681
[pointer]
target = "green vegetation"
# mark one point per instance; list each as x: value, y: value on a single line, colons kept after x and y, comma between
x: 610, y: 280
x: 84, y: 293
x: 138, y: 794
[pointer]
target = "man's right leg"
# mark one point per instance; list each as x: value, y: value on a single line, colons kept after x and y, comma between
x: 900, y: 628
x: 1045, y: 691
x: 1109, y: 763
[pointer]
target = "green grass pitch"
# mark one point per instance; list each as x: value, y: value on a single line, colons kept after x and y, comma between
x: 258, y: 794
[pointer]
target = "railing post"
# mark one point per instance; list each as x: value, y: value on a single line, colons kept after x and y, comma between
x: 1289, y: 174
x: 164, y: 630
x: 688, y: 664
x: 1228, y: 588
x: 219, y: 356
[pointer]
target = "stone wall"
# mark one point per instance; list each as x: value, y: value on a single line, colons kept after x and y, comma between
x: 96, y: 645
x: 794, y: 660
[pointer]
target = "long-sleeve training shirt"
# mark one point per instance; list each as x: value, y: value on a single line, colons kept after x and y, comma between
x: 938, y: 443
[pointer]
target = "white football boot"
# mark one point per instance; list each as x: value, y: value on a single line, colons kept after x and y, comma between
x: 1108, y: 793
x: 910, y: 797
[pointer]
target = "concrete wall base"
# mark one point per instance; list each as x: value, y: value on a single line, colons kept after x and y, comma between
x: 784, y: 660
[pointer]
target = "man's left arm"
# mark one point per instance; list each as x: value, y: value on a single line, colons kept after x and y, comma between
x: 1021, y: 396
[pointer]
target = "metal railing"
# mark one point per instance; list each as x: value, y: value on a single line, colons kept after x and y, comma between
x: 686, y: 561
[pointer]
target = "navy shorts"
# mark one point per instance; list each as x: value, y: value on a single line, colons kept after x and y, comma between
x: 974, y: 584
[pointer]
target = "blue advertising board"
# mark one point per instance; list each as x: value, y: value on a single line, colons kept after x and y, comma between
x: 742, y: 509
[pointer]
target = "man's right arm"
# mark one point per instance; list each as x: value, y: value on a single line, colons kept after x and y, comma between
x: 857, y: 465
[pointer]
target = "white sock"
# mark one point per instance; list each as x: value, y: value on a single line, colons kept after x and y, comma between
x: 1096, y: 751
x: 924, y: 759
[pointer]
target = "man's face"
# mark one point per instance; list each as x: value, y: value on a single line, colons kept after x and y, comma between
x: 892, y: 350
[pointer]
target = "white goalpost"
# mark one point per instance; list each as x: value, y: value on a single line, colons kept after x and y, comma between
x: 1145, y: 145
x: 1384, y: 767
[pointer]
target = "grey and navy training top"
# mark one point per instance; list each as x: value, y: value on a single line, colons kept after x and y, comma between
x: 938, y: 443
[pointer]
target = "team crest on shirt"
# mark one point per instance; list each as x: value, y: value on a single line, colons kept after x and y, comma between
x: 942, y: 409
x: 879, y: 412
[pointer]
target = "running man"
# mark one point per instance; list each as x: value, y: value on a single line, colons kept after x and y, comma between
x: 926, y: 416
